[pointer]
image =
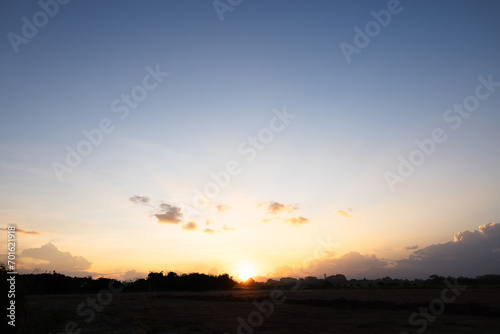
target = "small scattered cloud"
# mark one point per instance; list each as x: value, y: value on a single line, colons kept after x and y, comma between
x: 346, y: 214
x: 20, y: 230
x: 296, y: 220
x: 209, y: 230
x: 276, y: 207
x: 190, y: 226
x: 136, y: 199
x: 224, y: 228
x: 222, y: 207
x: 407, y: 248
x: 292, y: 220
x: 169, y: 214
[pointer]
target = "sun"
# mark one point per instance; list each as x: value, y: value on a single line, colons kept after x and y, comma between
x: 245, y: 271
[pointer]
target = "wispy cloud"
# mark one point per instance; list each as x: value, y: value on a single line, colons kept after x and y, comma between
x: 209, y: 230
x: 20, y: 230
x: 347, y: 214
x: 295, y: 220
x: 224, y: 228
x: 136, y: 199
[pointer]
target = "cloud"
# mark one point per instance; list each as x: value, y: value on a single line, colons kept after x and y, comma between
x: 352, y: 264
x: 406, y: 248
x: 132, y: 275
x: 169, y: 214
x: 213, y: 271
x: 469, y: 254
x: 20, y: 230
x: 190, y: 226
x: 284, y: 271
x: 276, y: 207
x: 136, y: 199
x: 209, y: 230
x: 296, y: 221
x: 57, y: 260
x: 292, y: 220
x: 224, y: 228
x: 222, y: 207
x: 347, y: 214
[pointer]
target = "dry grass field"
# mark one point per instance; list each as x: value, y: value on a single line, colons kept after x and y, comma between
x: 284, y: 312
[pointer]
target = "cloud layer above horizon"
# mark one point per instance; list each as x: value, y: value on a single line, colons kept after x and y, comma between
x: 469, y: 254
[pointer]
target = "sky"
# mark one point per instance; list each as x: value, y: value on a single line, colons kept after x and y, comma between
x: 256, y: 138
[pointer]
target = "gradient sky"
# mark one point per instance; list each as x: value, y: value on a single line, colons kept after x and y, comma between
x: 128, y: 209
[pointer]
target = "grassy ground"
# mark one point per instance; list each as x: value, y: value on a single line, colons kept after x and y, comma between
x: 303, y: 311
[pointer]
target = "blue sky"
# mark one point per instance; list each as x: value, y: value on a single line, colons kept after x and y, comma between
x: 352, y: 122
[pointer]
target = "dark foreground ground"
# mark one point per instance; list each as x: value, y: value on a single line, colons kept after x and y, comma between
x: 303, y: 311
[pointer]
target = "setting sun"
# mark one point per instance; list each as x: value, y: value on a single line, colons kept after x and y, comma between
x: 245, y: 271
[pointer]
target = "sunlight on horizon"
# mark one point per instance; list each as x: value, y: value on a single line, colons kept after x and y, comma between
x: 245, y: 270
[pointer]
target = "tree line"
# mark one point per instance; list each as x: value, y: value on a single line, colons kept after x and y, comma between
x: 56, y: 283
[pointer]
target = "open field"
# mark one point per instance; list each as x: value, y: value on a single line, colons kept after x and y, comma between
x: 299, y: 311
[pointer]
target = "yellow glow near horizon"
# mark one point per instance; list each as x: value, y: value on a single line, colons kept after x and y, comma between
x: 245, y: 271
